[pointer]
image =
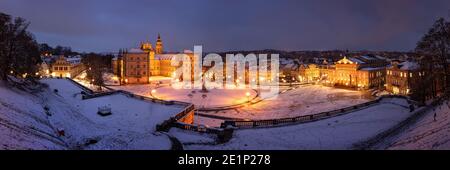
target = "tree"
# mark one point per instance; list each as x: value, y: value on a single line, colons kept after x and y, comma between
x: 436, y: 45
x: 19, y: 52
x: 45, y: 48
x: 97, y: 65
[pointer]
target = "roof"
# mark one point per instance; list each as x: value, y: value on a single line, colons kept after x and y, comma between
x: 408, y: 65
x: 355, y: 60
x: 372, y: 68
x: 164, y: 56
x: 135, y: 50
x: 367, y: 57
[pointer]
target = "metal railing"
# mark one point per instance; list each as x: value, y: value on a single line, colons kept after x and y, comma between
x: 305, y: 118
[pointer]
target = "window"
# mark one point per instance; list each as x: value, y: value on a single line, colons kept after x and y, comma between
x: 410, y: 74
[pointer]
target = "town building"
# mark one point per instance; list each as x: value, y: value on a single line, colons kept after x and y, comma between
x: 68, y: 67
x: 402, y: 77
x: 138, y: 65
x: 363, y: 72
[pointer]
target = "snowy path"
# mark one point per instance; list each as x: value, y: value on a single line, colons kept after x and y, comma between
x: 335, y: 133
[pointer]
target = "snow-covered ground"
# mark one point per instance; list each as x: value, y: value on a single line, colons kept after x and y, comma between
x: 334, y: 133
x: 210, y: 99
x: 109, y: 79
x: 23, y: 122
x: 426, y: 133
x: 131, y: 125
x: 304, y: 100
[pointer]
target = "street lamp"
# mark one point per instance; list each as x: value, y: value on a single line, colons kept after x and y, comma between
x: 248, y: 96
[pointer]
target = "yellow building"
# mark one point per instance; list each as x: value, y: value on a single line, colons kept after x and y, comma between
x: 137, y: 66
x: 67, y: 67
x: 355, y: 72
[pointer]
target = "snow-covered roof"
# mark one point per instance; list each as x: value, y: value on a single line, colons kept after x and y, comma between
x: 380, y: 57
x: 164, y: 56
x: 355, y: 60
x: 74, y: 60
x: 367, y: 57
x: 372, y: 68
x: 409, y: 65
x: 135, y: 50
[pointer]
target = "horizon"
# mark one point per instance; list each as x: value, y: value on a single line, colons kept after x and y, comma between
x: 107, y: 26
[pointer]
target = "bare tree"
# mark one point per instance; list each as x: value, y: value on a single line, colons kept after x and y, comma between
x: 19, y: 52
x: 435, y: 45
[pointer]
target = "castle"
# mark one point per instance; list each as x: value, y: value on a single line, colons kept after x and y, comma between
x: 138, y: 65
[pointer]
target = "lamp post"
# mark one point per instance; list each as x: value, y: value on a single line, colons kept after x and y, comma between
x: 153, y: 92
x: 248, y: 97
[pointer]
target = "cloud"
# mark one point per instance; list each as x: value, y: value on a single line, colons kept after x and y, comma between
x: 220, y: 25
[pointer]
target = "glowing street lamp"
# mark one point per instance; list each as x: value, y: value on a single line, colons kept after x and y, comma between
x: 248, y: 96
x: 152, y: 93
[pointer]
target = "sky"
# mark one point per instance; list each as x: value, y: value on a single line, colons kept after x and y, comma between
x: 224, y: 25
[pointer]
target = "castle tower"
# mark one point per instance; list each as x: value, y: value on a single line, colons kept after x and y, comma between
x: 146, y: 46
x: 159, y: 45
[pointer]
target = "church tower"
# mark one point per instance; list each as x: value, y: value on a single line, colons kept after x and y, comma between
x: 159, y: 45
x: 146, y: 46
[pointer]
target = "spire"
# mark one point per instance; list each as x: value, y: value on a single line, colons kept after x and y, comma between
x: 159, y: 45
x: 159, y: 38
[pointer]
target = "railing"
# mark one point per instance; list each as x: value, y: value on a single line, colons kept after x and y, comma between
x: 197, y: 128
x: 305, y: 118
x: 85, y: 89
x: 184, y: 113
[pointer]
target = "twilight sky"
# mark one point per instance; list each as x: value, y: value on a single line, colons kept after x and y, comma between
x: 222, y: 25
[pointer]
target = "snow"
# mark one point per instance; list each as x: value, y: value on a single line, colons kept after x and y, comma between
x: 409, y: 65
x: 164, y: 56
x: 23, y: 123
x: 367, y: 57
x: 135, y: 50
x: 426, y: 133
x: 373, y: 68
x: 131, y: 125
x: 334, y: 133
x: 214, y: 97
x: 304, y: 100
x: 355, y: 60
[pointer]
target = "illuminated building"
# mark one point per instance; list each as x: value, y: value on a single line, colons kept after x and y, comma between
x: 67, y: 67
x: 403, y: 76
x: 137, y: 66
x: 355, y: 72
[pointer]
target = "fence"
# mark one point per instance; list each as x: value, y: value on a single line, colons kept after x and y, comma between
x: 223, y: 134
x: 197, y: 128
x: 85, y: 89
x: 305, y: 118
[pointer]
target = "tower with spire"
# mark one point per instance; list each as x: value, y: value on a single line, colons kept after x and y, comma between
x: 159, y: 45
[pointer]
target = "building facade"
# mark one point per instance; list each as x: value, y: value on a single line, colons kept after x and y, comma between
x: 137, y: 66
x: 402, y: 77
x: 355, y: 72
x: 67, y: 67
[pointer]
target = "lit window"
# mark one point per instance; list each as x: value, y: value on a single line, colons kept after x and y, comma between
x: 410, y: 74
